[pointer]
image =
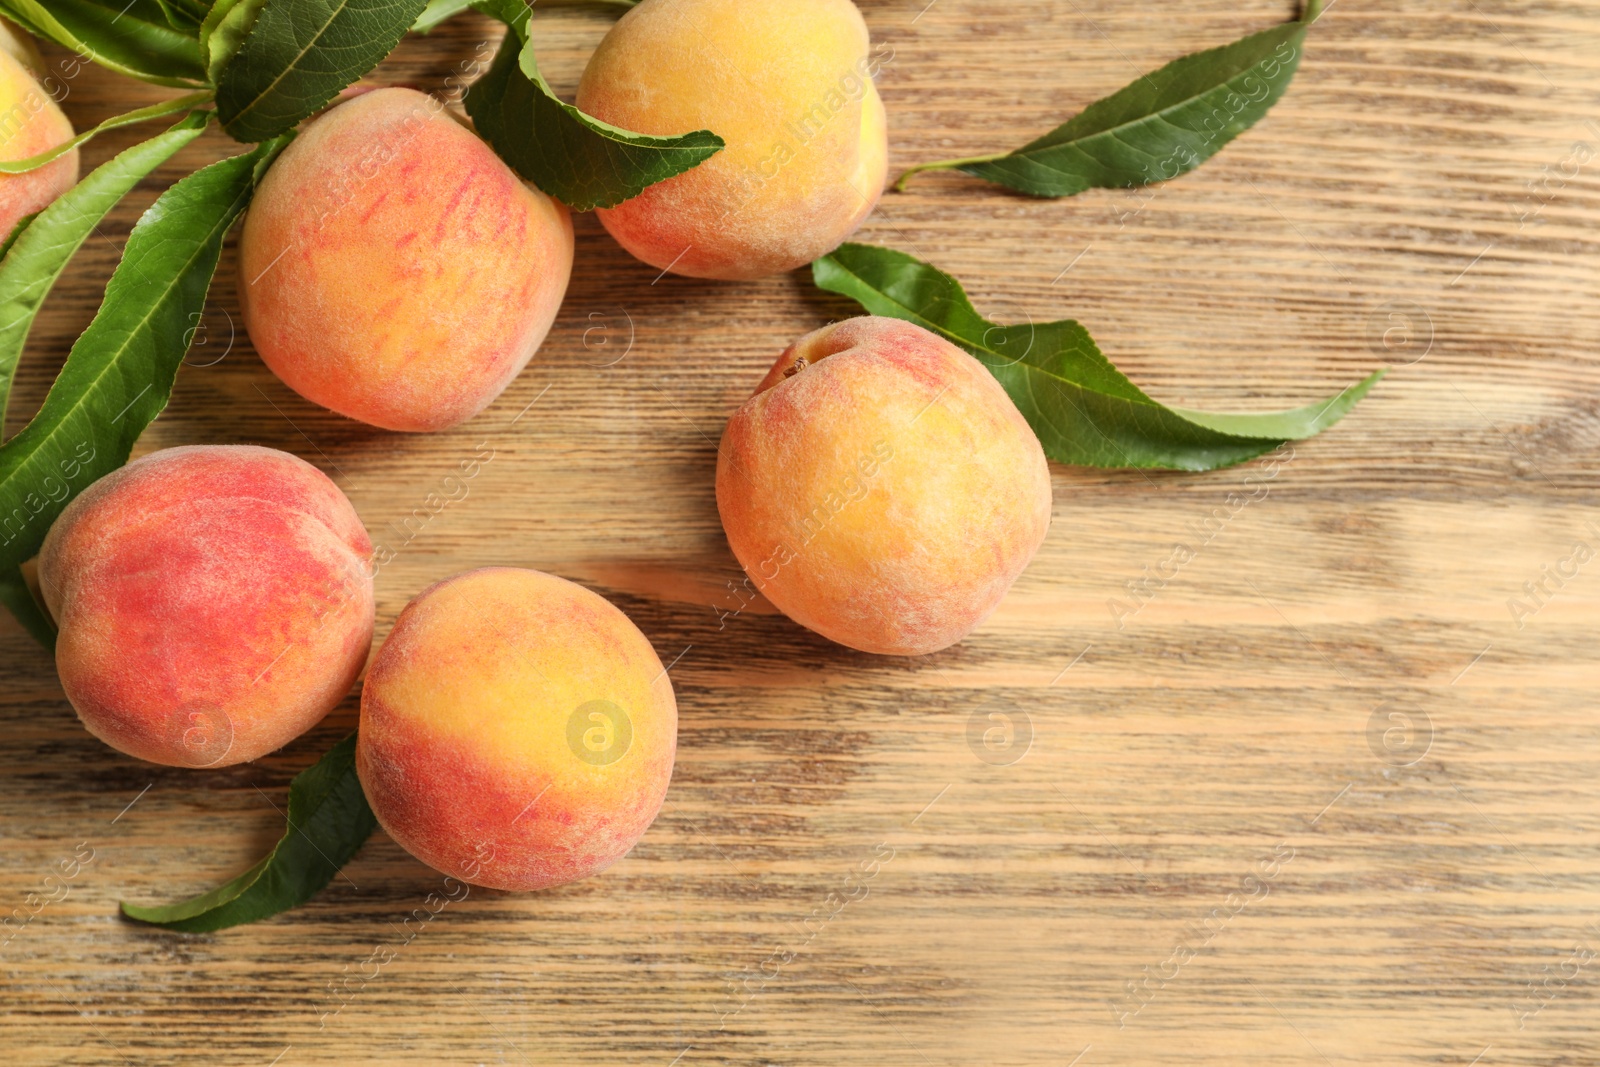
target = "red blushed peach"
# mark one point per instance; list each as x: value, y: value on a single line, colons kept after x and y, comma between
x: 517, y: 731
x: 214, y: 603
x: 881, y: 489
x: 787, y: 85
x: 394, y: 270
x: 30, y: 123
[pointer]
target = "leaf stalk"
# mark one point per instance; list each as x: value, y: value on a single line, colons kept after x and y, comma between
x: 943, y: 164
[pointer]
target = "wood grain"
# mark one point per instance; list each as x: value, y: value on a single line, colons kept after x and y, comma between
x: 1433, y: 896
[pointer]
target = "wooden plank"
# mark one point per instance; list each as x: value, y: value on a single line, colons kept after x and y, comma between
x: 1238, y: 723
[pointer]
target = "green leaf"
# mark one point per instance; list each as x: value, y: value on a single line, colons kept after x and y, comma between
x: 135, y: 39
x: 38, y: 250
x: 16, y: 231
x: 1085, y: 411
x: 143, y: 114
x: 328, y: 821
x: 300, y: 54
x: 224, y: 30
x: 184, y: 14
x: 579, y: 160
x: 119, y: 373
x: 1165, y: 124
x: 439, y: 11
x: 20, y: 601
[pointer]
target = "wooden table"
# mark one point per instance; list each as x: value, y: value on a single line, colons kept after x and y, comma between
x: 1326, y: 756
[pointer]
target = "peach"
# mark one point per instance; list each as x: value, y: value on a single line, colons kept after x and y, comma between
x: 517, y: 731
x: 788, y: 86
x: 30, y: 123
x: 394, y: 270
x: 881, y: 488
x: 16, y: 43
x: 214, y: 603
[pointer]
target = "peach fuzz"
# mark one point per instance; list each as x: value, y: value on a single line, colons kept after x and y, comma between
x: 30, y: 123
x: 214, y: 603
x: 881, y: 488
x: 787, y: 84
x: 517, y: 731
x: 394, y: 270
x: 16, y: 43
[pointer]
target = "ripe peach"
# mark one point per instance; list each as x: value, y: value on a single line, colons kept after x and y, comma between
x: 16, y: 43
x: 881, y: 489
x: 788, y: 85
x: 214, y: 603
x: 393, y: 269
x: 517, y: 731
x: 30, y: 123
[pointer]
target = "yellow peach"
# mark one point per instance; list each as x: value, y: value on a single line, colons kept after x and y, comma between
x: 788, y: 86
x: 517, y: 731
x: 394, y: 270
x: 881, y: 488
x: 30, y: 123
x: 19, y: 46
